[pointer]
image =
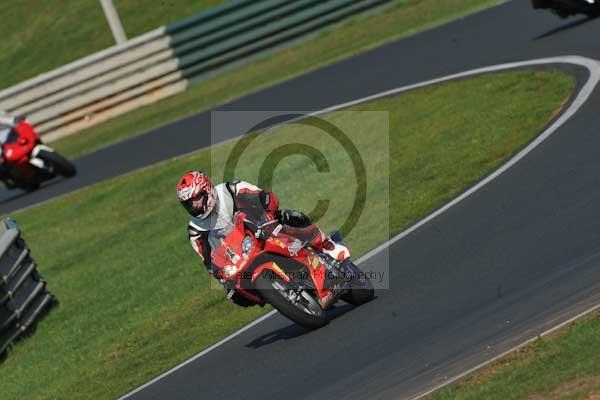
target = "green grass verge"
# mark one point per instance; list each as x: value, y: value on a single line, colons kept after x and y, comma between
x: 564, y: 366
x: 40, y: 35
x: 134, y: 299
x: 403, y: 18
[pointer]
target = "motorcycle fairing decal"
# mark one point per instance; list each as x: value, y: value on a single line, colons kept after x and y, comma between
x: 277, y: 269
x: 294, y: 247
x: 278, y: 246
x: 313, y: 261
x: 279, y: 243
x: 273, y: 267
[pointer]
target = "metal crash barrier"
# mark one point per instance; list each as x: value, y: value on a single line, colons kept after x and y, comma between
x: 23, y: 295
x: 167, y: 60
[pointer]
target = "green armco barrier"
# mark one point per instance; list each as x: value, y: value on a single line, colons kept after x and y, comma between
x: 23, y: 295
x: 238, y: 48
x: 263, y: 32
x: 210, y: 26
x: 239, y: 24
x: 210, y: 14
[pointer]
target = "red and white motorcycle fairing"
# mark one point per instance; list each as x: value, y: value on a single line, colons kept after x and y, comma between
x: 266, y: 265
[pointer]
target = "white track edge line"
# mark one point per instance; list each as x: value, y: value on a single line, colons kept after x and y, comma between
x: 202, y: 353
x: 591, y: 65
x: 506, y: 353
x: 583, y: 95
x: 574, y: 60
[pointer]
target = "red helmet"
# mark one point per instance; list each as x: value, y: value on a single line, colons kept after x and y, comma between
x: 196, y: 194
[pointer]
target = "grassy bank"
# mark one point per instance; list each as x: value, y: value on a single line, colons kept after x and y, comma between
x: 134, y: 299
x: 40, y: 35
x: 564, y: 366
x: 403, y: 18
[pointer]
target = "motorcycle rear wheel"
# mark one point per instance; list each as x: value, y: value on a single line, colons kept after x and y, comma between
x: 275, y: 291
x: 361, y: 289
x: 594, y: 12
x: 30, y: 187
x: 61, y: 165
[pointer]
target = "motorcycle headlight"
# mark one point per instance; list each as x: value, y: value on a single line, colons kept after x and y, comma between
x: 229, y: 271
x: 246, y: 246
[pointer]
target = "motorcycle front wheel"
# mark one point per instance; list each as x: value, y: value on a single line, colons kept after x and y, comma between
x: 299, y: 306
x: 60, y: 165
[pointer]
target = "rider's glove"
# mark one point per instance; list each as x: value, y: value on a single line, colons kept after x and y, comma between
x: 263, y: 227
x: 293, y: 218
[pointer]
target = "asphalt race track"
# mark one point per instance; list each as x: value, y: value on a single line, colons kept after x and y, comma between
x: 506, y: 263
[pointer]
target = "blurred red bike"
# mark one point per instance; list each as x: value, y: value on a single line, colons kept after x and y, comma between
x: 26, y: 162
x: 566, y: 8
x: 263, y: 263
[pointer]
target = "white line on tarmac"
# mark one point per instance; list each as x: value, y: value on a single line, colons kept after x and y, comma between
x: 592, y: 66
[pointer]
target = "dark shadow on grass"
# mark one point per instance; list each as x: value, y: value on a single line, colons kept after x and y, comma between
x: 294, y: 330
x: 570, y: 25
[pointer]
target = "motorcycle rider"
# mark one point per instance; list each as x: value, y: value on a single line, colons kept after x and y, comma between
x: 10, y: 124
x: 9, y: 121
x: 212, y: 210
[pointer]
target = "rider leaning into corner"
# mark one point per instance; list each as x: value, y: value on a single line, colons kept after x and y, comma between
x: 8, y: 120
x: 8, y: 123
x: 212, y: 210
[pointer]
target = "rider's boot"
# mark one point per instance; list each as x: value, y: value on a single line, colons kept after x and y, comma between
x: 324, y: 244
x: 334, y: 253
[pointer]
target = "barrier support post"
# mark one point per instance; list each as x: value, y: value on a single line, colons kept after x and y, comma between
x: 114, y: 21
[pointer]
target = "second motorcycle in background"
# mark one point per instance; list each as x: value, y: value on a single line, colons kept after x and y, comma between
x: 566, y: 8
x: 26, y: 162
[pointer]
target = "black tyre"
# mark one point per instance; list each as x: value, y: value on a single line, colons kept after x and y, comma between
x: 540, y: 3
x: 361, y: 289
x: 9, y: 183
x: 594, y: 11
x: 30, y: 187
x: 61, y: 165
x: 305, y: 312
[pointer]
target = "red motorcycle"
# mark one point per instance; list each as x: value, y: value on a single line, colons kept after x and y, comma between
x: 261, y: 262
x: 26, y: 162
